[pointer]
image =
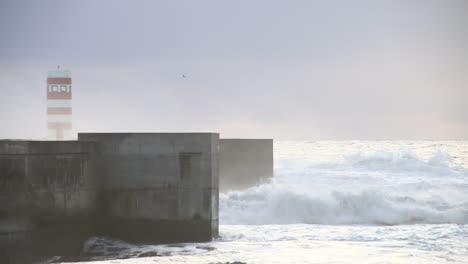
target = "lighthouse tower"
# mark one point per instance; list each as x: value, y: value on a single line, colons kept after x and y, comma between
x: 59, y: 107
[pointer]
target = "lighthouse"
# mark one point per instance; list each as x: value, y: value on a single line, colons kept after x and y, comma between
x: 59, y: 105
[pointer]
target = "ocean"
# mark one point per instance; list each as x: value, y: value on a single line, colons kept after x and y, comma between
x: 334, y: 202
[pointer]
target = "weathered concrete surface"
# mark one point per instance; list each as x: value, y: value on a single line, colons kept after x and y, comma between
x: 47, y: 198
x: 158, y: 187
x: 245, y: 163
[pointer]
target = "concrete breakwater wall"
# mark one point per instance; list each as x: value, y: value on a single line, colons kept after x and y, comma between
x: 245, y: 163
x: 47, y: 198
x: 138, y: 187
x: 157, y: 187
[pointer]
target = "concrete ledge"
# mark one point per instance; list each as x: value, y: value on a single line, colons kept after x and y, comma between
x: 22, y: 147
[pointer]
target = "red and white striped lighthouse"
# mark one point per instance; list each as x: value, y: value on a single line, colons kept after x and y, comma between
x: 59, y: 107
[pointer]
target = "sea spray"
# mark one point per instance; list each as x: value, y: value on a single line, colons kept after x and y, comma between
x: 377, y: 188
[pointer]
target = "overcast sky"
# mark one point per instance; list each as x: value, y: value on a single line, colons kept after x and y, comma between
x: 254, y: 68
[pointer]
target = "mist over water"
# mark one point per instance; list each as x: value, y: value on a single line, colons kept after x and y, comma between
x: 364, y: 183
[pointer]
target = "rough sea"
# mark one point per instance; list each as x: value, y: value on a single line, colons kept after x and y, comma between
x: 335, y: 202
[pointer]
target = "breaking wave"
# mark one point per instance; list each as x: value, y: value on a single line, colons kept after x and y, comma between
x: 383, y: 188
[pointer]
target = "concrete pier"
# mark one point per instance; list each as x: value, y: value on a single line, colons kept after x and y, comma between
x: 138, y: 187
x: 47, y: 198
x: 157, y: 187
x: 245, y: 163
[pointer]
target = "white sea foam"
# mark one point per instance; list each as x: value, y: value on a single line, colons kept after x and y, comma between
x: 377, y: 188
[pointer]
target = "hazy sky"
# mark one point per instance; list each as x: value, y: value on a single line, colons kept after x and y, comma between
x: 284, y: 69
